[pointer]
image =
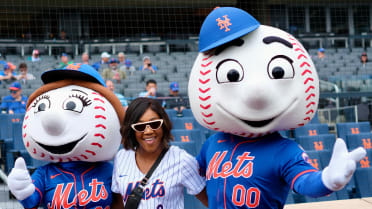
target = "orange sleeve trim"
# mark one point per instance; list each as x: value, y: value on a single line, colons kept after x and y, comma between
x: 300, y: 174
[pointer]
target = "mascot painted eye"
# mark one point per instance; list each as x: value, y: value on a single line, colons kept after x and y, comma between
x: 229, y: 71
x: 280, y: 67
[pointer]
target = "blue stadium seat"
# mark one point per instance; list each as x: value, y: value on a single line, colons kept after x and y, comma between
x: 6, y: 122
x: 363, y: 179
x: 359, y: 140
x: 311, y: 129
x: 315, y: 119
x: 185, y: 135
x: 187, y: 113
x: 171, y: 113
x: 343, y: 129
x: 366, y: 161
x: 319, y: 159
x: 190, y: 147
x: 290, y: 199
x: 188, y: 123
x: 318, y: 142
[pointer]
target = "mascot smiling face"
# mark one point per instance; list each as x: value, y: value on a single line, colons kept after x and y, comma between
x: 251, y: 84
x: 72, y: 120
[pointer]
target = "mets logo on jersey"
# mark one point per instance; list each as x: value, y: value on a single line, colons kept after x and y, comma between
x: 156, y: 190
x: 62, y: 199
x: 227, y: 168
x: 242, y: 167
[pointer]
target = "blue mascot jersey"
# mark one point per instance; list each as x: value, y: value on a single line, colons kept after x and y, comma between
x: 251, y: 173
x: 72, y: 185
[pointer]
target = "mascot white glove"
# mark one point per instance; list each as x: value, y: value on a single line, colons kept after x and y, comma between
x: 19, y: 180
x: 341, y: 166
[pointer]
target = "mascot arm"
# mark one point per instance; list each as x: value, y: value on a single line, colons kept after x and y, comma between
x: 335, y: 176
x: 341, y: 166
x: 310, y: 184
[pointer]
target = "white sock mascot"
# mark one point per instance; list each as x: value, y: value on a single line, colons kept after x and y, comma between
x: 248, y: 82
x: 72, y: 121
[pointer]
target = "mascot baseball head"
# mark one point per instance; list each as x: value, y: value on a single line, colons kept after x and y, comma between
x: 250, y: 79
x: 73, y: 117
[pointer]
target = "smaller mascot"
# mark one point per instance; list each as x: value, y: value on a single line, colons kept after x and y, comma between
x: 248, y: 82
x: 73, y: 122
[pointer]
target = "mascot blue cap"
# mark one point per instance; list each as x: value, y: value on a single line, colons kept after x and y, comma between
x: 73, y: 71
x: 223, y: 25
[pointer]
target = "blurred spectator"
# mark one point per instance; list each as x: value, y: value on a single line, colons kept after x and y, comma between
x: 147, y: 65
x: 151, y: 90
x: 15, y: 102
x: 125, y: 64
x: 178, y: 102
x: 8, y: 75
x: 110, y: 85
x: 103, y: 63
x: 23, y: 73
x: 64, y: 61
x: 63, y: 35
x: 113, y: 72
x: 35, y: 56
x: 85, y: 58
x: 364, y: 59
x: 321, y: 54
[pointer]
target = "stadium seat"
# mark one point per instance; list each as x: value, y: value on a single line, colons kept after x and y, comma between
x: 366, y: 161
x: 311, y: 129
x: 188, y: 123
x: 171, y: 113
x: 318, y: 142
x: 190, y: 147
x: 363, y: 179
x: 315, y: 119
x: 359, y: 140
x: 319, y: 159
x: 187, y: 113
x: 343, y: 129
x: 185, y: 135
x: 195, y: 135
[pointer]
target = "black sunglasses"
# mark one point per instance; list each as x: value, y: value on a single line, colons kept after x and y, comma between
x: 141, y: 127
x: 13, y: 91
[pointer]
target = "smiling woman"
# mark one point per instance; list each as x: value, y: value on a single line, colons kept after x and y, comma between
x: 146, y: 131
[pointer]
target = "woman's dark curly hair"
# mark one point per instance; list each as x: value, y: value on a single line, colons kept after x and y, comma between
x: 134, y: 112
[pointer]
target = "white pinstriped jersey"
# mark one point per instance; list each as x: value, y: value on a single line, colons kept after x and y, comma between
x: 165, y: 188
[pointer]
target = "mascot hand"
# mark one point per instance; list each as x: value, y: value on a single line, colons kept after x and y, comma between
x: 341, y: 166
x: 19, y: 180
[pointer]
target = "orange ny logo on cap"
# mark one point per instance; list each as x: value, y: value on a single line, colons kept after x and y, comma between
x: 74, y: 66
x: 224, y: 23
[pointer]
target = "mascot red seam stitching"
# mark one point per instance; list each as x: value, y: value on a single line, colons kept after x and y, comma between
x: 308, y: 79
x: 205, y: 90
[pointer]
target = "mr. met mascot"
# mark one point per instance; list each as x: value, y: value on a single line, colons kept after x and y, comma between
x: 248, y: 82
x: 72, y: 121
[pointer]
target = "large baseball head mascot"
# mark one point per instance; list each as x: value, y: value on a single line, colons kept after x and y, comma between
x: 248, y: 82
x: 72, y: 121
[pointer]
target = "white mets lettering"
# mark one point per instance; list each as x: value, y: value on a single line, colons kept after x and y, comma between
x: 216, y: 170
x: 61, y: 195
